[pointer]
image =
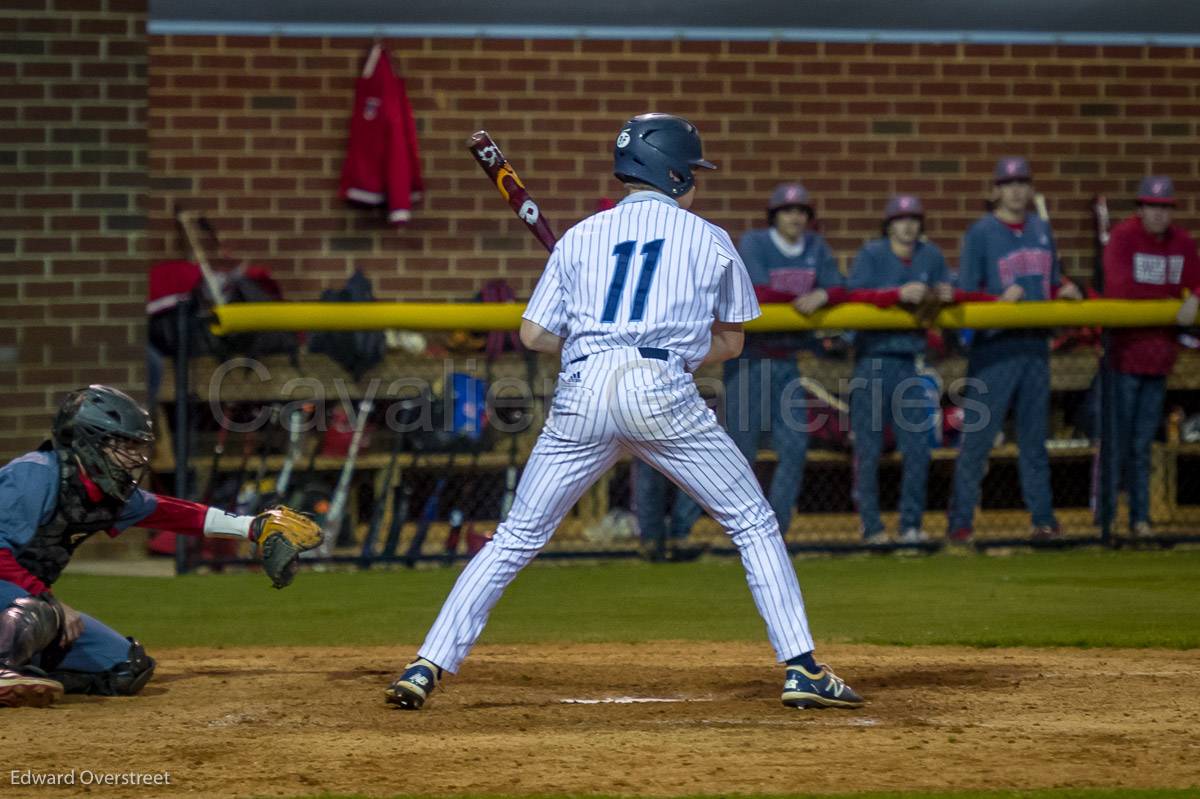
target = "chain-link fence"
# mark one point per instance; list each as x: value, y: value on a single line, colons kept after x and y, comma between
x: 992, y: 444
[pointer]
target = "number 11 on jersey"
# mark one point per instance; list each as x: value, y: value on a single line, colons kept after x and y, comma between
x: 623, y: 252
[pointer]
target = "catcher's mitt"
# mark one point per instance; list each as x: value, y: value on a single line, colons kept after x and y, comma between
x: 281, y: 535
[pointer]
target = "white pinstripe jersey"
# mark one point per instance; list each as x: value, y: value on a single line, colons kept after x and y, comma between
x: 646, y: 273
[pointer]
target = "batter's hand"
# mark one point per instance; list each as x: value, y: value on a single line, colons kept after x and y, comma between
x: 944, y: 293
x: 811, y: 302
x: 1069, y: 291
x: 913, y: 292
x: 72, y: 626
x: 1013, y: 293
x: 1187, y: 312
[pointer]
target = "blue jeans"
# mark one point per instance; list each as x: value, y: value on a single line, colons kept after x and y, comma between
x: 887, y: 392
x: 650, y: 488
x: 1010, y: 372
x: 765, y: 396
x: 1139, y: 407
x: 97, y: 649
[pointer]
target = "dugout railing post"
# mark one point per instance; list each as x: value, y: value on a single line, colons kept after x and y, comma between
x: 1106, y: 500
x: 183, y: 314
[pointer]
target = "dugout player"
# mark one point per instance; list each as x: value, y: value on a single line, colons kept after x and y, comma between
x: 82, y: 481
x: 635, y: 298
x: 787, y: 262
x: 1009, y: 254
x: 1147, y: 258
x: 898, y: 268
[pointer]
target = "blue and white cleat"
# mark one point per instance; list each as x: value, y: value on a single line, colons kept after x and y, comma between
x: 413, y: 687
x: 821, y: 690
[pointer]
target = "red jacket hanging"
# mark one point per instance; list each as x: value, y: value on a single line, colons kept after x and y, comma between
x: 382, y: 164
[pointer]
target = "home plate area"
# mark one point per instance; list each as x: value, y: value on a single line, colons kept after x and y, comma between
x: 654, y: 719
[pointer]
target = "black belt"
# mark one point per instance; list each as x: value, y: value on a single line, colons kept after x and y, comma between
x: 646, y: 352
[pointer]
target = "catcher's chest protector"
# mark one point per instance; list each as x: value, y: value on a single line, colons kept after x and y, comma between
x: 75, y: 520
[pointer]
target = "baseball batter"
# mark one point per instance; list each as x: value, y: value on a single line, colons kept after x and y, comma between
x: 635, y: 298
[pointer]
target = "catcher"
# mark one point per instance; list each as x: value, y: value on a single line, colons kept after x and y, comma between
x: 83, y: 481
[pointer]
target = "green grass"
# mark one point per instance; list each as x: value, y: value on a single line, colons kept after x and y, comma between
x: 1053, y: 793
x: 1087, y: 598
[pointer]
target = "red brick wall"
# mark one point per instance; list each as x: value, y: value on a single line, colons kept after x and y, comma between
x: 73, y: 178
x: 253, y: 130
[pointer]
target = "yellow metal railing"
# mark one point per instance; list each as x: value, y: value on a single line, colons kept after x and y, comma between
x: 244, y: 317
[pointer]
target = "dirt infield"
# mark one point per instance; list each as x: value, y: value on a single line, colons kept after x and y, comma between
x: 290, y: 722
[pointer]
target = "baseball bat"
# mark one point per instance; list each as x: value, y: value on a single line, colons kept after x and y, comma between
x: 510, y: 478
x: 214, y: 470
x: 295, y: 497
x: 251, y: 494
x: 401, y: 500
x: 428, y: 514
x: 487, y: 154
x: 511, y: 471
x: 295, y: 445
x: 457, y: 519
x: 341, y: 493
x: 381, y: 502
x: 187, y: 220
x: 820, y: 392
x: 1039, y: 203
x: 458, y: 513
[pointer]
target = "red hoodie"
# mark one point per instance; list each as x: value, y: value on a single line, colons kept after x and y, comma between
x: 1139, y: 266
x: 382, y: 164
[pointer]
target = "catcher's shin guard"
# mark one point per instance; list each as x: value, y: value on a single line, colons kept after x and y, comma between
x: 27, y: 627
x: 413, y: 687
x: 127, y: 678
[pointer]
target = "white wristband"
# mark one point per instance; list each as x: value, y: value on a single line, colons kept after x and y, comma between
x: 222, y: 524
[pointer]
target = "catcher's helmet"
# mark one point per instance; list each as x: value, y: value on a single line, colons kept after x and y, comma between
x: 111, y: 435
x: 659, y: 150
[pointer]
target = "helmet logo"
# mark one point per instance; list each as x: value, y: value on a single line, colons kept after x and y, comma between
x: 623, y: 138
x: 529, y: 212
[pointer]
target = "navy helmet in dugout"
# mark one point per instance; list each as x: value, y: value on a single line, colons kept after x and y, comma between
x: 659, y: 150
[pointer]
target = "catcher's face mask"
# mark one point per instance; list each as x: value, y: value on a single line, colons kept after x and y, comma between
x: 126, y: 463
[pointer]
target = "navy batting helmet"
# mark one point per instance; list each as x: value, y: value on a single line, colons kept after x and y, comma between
x: 659, y: 150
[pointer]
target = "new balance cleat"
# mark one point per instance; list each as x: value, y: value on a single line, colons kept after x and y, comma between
x: 28, y: 688
x: 413, y: 687
x: 823, y: 689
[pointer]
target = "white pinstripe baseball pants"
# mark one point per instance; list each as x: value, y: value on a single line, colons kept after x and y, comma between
x: 612, y: 402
